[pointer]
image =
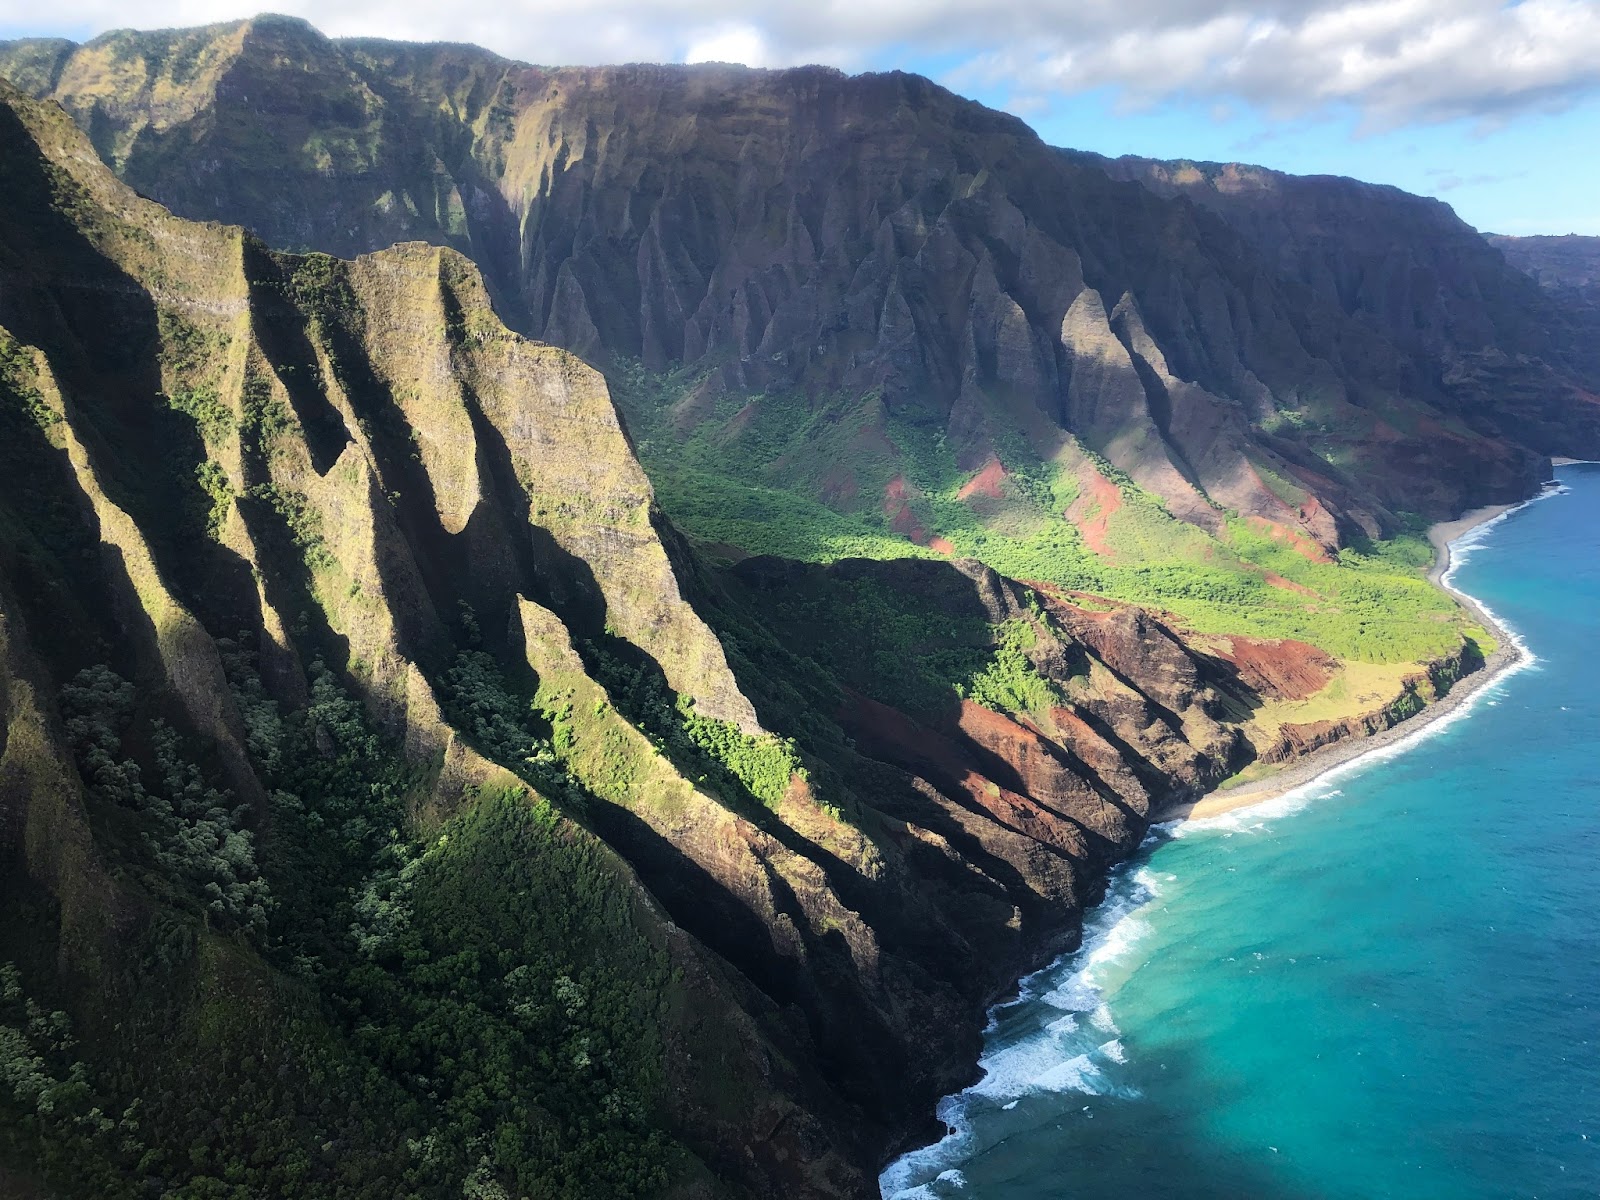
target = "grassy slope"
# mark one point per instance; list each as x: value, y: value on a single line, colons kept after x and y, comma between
x: 282, y: 937
x: 746, y: 476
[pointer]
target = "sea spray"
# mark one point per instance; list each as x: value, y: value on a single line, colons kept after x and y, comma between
x: 1051, y: 1038
x: 1058, y: 1036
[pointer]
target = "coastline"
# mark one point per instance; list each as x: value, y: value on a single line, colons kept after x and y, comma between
x: 1313, y: 766
x: 1102, y: 919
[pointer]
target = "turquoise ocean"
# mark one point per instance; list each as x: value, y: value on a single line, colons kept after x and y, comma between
x: 1384, y: 984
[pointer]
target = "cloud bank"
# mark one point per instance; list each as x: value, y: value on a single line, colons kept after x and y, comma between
x: 1394, y: 62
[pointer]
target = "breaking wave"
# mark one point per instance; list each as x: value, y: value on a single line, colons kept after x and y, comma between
x: 1057, y: 1036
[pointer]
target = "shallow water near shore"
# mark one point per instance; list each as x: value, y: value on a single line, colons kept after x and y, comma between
x: 1382, y: 985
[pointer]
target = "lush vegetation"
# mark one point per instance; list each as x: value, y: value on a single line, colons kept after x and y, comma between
x: 789, y: 476
x: 470, y: 1012
x: 18, y: 382
x: 1010, y: 683
x: 48, y: 1098
x: 917, y: 652
x: 494, y: 968
x: 191, y: 833
x: 746, y: 771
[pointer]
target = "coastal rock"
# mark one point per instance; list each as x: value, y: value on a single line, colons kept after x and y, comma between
x: 797, y: 823
x: 1416, y: 692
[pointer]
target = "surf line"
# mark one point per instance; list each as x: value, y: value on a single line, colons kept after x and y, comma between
x: 1050, y: 1058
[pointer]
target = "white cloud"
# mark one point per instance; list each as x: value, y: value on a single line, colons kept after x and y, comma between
x: 1394, y: 61
x: 735, y: 44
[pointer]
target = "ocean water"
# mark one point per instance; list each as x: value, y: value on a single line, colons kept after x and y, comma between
x: 1384, y: 985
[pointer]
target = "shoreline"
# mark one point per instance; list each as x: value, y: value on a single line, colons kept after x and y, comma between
x: 1509, y: 655
x: 1307, y: 770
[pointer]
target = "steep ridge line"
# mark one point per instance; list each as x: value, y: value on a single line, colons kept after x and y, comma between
x: 872, y: 234
x: 810, y: 818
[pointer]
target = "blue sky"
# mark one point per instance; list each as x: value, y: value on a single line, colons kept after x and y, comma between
x: 1536, y: 173
x: 1493, y: 107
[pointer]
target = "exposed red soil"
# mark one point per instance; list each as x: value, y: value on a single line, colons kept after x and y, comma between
x: 1281, y: 670
x: 1097, y: 753
x: 1296, y: 540
x: 1310, y: 515
x: 897, y: 507
x: 1091, y: 512
x: 1288, y: 585
x: 942, y: 545
x: 1071, y: 597
x: 1046, y: 774
x: 1296, y: 740
x: 987, y: 482
x: 890, y: 734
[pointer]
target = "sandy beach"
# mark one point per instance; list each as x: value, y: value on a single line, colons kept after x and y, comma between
x: 1304, y: 770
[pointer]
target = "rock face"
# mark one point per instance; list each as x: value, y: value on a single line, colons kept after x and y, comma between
x: 366, y: 726
x: 1501, y: 356
x: 877, y: 235
x: 1417, y: 691
x: 355, y: 693
x: 1567, y: 265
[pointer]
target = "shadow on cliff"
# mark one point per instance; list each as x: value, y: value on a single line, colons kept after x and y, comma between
x: 544, y: 570
x: 501, y: 553
x: 282, y: 330
x: 104, y: 340
x: 861, y: 1056
x: 788, y: 621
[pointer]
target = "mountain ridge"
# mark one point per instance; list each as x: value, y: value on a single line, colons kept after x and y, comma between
x: 611, y: 286
x: 356, y: 690
x: 280, y: 526
x: 1566, y: 264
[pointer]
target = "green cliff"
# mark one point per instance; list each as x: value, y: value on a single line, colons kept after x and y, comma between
x: 434, y: 766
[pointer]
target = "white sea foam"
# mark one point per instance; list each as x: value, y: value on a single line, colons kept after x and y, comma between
x: 1053, y: 1058
x: 1255, y: 816
x: 1062, y: 1054
x: 1078, y: 1074
x: 1030, y: 1065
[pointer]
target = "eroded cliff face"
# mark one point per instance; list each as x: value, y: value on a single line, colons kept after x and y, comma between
x: 1495, y: 351
x: 238, y: 488
x: 376, y: 758
x: 739, y: 847
x: 871, y: 236
x: 1566, y: 264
